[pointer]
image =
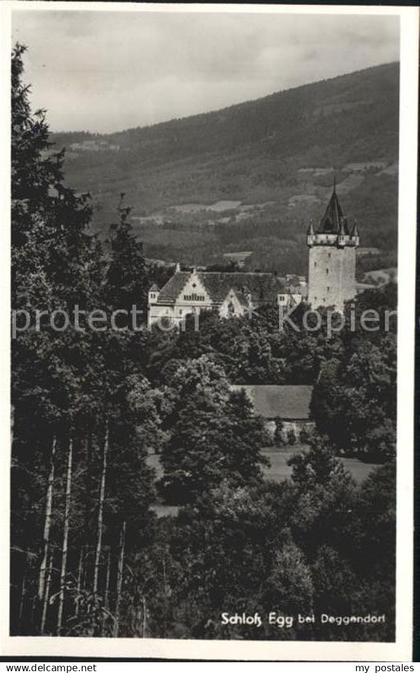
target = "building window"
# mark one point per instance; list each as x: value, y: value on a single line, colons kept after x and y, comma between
x: 328, y: 289
x: 327, y: 271
x: 314, y: 263
x: 329, y: 255
x: 194, y: 297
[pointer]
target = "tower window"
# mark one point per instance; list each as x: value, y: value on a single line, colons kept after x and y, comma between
x: 327, y: 271
x: 329, y: 255
x: 314, y: 263
x: 328, y: 289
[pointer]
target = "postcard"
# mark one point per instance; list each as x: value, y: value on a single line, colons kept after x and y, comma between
x: 212, y: 254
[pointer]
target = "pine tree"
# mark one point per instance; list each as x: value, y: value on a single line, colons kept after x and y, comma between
x: 55, y: 265
x: 126, y: 277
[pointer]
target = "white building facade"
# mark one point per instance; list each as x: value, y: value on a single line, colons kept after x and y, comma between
x: 232, y: 294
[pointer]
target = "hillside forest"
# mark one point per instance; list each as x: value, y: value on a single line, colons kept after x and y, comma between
x: 250, y: 177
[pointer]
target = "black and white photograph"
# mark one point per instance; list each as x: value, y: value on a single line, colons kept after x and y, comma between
x: 206, y: 296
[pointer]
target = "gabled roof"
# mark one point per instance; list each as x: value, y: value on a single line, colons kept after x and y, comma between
x: 173, y: 287
x: 286, y: 402
x: 154, y: 288
x: 263, y: 287
x: 333, y: 220
x: 298, y: 289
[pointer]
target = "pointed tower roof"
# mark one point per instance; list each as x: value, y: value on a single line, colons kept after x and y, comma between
x: 355, y: 229
x: 333, y: 220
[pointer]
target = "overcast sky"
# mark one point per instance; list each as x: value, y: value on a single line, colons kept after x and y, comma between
x: 107, y: 71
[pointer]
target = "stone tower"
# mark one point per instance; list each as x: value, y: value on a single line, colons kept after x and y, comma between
x: 332, y: 258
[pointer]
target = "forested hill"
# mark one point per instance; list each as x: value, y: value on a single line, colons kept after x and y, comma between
x: 248, y: 177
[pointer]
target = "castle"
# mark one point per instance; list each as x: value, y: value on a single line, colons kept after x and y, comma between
x: 331, y: 279
x: 232, y: 294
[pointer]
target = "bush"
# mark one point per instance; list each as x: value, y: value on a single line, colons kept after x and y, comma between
x: 304, y: 436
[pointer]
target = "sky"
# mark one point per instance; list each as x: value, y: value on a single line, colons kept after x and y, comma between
x: 108, y: 71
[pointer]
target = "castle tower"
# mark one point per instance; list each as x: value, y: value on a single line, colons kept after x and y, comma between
x: 332, y: 258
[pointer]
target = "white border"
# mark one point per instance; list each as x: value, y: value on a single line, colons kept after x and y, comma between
x: 223, y: 649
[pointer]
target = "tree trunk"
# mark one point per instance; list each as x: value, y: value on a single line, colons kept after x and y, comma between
x: 22, y: 596
x: 65, y: 539
x: 119, y: 581
x: 144, y: 617
x: 108, y: 575
x: 46, y: 597
x: 85, y: 573
x: 88, y: 489
x: 47, y: 522
x: 165, y: 596
x: 79, y: 580
x: 101, y: 513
